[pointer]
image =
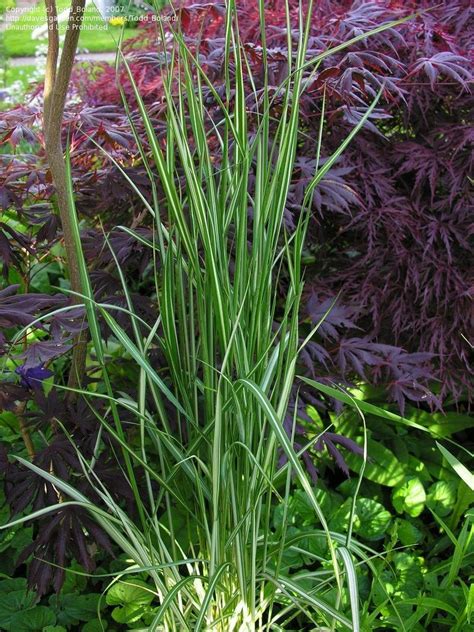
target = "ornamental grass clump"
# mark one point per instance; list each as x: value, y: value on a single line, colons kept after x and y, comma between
x: 203, y: 439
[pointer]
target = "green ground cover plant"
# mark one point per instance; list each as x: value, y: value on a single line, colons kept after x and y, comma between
x: 171, y: 474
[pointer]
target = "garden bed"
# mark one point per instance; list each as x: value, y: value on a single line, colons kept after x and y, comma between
x: 235, y: 392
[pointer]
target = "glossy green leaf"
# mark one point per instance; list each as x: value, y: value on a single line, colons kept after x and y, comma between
x: 409, y: 497
x: 409, y: 574
x: 33, y: 620
x: 382, y: 466
x: 441, y: 497
x: 133, y: 599
x: 73, y: 607
x: 14, y: 598
x: 407, y: 532
x: 373, y: 519
x: 95, y: 625
x: 362, y: 405
x: 441, y: 425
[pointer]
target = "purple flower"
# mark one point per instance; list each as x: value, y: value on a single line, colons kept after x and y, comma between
x: 31, y: 377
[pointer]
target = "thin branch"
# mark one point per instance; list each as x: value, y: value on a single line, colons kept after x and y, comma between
x: 56, y: 88
x: 24, y: 431
x: 51, y: 57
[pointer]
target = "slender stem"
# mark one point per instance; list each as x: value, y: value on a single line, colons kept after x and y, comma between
x: 25, y: 433
x: 55, y: 93
x: 51, y: 57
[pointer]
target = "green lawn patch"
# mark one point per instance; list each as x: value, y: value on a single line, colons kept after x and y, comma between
x: 96, y: 35
x: 19, y: 73
x: 5, y: 5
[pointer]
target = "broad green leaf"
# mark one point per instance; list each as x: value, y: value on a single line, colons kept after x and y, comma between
x: 339, y: 520
x: 409, y: 497
x: 441, y: 497
x: 441, y: 425
x: 409, y: 574
x: 95, y: 625
x: 33, y: 620
x: 12, y: 584
x: 373, y: 519
x: 43, y: 275
x: 16, y: 539
x: 133, y: 599
x: 73, y: 607
x: 130, y: 613
x: 125, y: 592
x: 382, y: 466
x: 407, y: 532
x: 300, y: 510
x: 13, y: 601
x: 360, y: 404
x: 75, y: 581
